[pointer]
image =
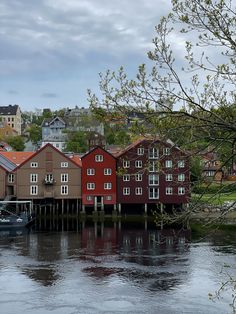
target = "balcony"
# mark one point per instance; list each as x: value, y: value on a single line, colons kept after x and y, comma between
x: 49, y: 181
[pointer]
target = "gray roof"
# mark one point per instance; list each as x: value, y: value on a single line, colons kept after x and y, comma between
x: 6, y: 163
x: 9, y: 110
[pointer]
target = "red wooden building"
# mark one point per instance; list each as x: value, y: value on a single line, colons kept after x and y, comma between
x: 151, y: 173
x: 98, y: 179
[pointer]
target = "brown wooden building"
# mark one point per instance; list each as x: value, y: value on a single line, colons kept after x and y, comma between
x: 49, y: 177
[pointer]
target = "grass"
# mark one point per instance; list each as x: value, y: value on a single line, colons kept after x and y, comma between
x: 214, y: 199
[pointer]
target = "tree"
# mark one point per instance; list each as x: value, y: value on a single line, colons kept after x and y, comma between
x: 16, y: 142
x: 77, y: 142
x: 35, y: 133
x: 188, y: 99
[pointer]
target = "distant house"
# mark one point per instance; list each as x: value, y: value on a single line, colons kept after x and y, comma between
x: 98, y: 179
x: 152, y: 173
x: 53, y: 132
x: 11, y: 115
x: 7, y: 131
x: 211, y: 166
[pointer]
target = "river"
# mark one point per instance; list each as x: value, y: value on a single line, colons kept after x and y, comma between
x: 115, y: 268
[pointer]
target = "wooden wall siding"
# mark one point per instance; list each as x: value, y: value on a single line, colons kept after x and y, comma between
x: 45, y: 167
x: 88, y: 162
x: 132, y: 156
x: 3, y: 178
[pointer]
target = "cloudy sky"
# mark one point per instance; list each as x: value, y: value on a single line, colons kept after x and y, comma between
x: 52, y: 50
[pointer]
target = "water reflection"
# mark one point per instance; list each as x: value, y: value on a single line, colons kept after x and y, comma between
x: 123, y: 265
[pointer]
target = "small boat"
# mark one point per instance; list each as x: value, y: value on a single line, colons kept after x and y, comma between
x: 14, y: 221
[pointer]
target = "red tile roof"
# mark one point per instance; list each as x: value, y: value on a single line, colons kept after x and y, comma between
x: 17, y: 157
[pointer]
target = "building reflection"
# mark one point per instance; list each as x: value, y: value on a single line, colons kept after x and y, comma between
x: 137, y: 252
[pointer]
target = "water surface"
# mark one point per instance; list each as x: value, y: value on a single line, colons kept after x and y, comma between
x: 114, y: 268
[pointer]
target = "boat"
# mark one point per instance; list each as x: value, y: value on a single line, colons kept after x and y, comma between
x: 12, y: 220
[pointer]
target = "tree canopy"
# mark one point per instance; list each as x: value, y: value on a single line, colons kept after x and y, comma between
x: 189, y: 92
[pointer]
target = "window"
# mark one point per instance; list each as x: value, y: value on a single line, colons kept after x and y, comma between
x: 90, y: 186
x: 168, y: 163
x: 140, y: 151
x: 90, y: 172
x: 181, y: 177
x: 64, y: 189
x: 107, y: 186
x: 153, y: 179
x: 181, y: 190
x: 33, y: 190
x: 169, y: 191
x: 166, y: 151
x: 34, y: 165
x: 11, y: 178
x: 98, y: 158
x: 107, y: 171
x: 153, y: 152
x: 126, y: 163
x: 138, y: 177
x: 153, y: 166
x: 138, y: 191
x: 169, y: 177
x: 138, y: 163
x: 126, y: 177
x: 153, y: 193
x: 49, y: 177
x: 89, y: 198
x: 181, y: 164
x: 33, y: 177
x: 108, y: 197
x: 64, y: 164
x: 126, y: 191
x: 64, y: 177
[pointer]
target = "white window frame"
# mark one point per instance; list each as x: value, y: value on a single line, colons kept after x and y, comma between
x: 181, y: 177
x: 153, y: 153
x: 126, y: 163
x: 107, y: 172
x: 166, y: 151
x: 126, y: 191
x: 99, y: 158
x: 126, y: 177
x: 90, y: 186
x: 138, y: 191
x: 169, y: 177
x: 140, y: 151
x: 153, y: 193
x: 169, y: 163
x: 138, y: 177
x: 181, y: 164
x: 33, y: 178
x: 64, y: 177
x: 138, y: 164
x: 153, y: 179
x: 108, y: 197
x: 169, y: 190
x: 11, y: 178
x: 153, y: 166
x: 33, y: 190
x: 64, y: 164
x: 89, y: 198
x: 34, y: 164
x: 64, y: 189
x: 181, y: 190
x: 90, y: 172
x: 107, y: 186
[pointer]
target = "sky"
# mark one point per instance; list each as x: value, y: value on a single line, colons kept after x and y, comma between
x: 52, y: 51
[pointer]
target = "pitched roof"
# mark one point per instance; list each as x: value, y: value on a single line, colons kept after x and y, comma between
x: 54, y: 148
x: 96, y: 147
x: 9, y: 110
x: 17, y: 157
